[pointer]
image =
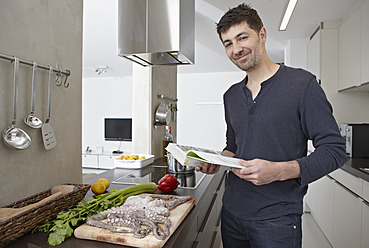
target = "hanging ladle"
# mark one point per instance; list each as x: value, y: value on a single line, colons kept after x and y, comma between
x: 31, y: 120
x: 14, y: 136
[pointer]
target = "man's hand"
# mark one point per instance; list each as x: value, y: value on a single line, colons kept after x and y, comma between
x: 259, y: 171
x: 208, y: 168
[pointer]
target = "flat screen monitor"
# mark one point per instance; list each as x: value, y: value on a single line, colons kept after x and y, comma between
x: 118, y: 129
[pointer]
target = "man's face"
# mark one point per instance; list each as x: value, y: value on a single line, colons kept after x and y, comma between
x: 244, y: 47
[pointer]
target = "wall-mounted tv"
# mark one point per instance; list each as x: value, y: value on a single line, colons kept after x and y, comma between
x: 118, y: 129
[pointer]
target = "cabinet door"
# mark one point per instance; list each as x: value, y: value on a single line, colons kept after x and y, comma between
x: 311, y: 198
x: 208, y: 230
x: 90, y: 161
x: 349, y: 51
x: 314, y: 55
x: 106, y: 162
x: 364, y: 25
x: 347, y: 218
x: 366, y: 190
x: 365, y: 225
x: 325, y: 206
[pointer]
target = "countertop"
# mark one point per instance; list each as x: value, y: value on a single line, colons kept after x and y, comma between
x: 204, y: 189
x: 353, y: 166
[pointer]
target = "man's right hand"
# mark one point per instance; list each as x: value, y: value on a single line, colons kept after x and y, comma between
x: 208, y: 168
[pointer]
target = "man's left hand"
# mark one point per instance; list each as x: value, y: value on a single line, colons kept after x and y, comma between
x: 259, y: 171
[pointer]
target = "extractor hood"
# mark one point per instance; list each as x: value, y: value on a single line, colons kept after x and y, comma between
x: 157, y: 32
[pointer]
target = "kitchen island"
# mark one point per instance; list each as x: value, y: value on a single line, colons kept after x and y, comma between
x: 201, y: 227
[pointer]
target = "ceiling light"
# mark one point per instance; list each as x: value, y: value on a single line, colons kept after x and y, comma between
x: 101, y: 69
x: 287, y: 14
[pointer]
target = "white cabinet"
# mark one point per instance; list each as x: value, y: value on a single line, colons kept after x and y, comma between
x: 354, y: 48
x: 311, y: 197
x: 90, y: 161
x: 313, y: 49
x: 366, y: 190
x: 355, y: 184
x: 365, y: 225
x: 347, y: 218
x: 106, y: 161
x: 349, y: 51
x: 364, y: 28
x: 99, y: 160
x: 325, y: 206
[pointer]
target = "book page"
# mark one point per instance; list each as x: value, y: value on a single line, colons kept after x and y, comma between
x: 219, y: 159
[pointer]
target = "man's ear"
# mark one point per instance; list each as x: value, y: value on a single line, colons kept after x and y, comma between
x: 263, y: 34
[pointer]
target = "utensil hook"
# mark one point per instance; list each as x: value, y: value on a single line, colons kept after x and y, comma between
x: 66, y: 85
x: 58, y: 77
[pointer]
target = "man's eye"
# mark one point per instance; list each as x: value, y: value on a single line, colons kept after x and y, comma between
x: 243, y: 37
x: 227, y: 45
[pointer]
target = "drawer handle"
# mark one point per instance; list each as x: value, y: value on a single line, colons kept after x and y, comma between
x: 208, y: 213
x: 348, y: 190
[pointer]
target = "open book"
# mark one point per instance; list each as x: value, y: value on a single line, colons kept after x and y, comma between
x: 194, y: 156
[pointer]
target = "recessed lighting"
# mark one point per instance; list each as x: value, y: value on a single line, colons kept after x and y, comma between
x: 287, y: 14
x: 101, y: 69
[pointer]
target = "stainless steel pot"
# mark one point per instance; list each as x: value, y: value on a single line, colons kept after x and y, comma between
x: 162, y: 115
x: 176, y: 167
x: 185, y: 179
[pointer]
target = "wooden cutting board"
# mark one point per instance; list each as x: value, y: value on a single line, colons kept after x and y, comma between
x: 176, y: 216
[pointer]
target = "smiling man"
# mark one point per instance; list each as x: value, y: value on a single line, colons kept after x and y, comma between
x: 270, y: 116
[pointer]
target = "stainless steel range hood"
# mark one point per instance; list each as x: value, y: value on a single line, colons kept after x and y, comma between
x: 157, y: 32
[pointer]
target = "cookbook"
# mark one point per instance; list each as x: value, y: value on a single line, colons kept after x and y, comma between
x: 195, y: 156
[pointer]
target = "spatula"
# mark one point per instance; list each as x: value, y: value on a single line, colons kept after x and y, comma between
x: 48, y: 134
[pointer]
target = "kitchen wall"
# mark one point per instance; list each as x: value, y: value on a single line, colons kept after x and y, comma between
x: 113, y: 100
x: 200, y: 108
x: 50, y: 33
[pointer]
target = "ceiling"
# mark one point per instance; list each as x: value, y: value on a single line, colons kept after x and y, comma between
x: 100, y: 32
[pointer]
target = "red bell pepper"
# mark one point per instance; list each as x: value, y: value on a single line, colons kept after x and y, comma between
x: 168, y: 183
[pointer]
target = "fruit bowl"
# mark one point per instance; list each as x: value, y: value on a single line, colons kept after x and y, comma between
x: 134, y: 164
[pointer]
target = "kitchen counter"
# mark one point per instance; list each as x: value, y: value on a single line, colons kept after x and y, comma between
x: 353, y: 166
x: 185, y: 235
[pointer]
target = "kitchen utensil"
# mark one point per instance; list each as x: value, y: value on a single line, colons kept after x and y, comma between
x: 13, y: 136
x: 48, y: 134
x: 56, y: 191
x: 31, y: 120
x: 162, y: 115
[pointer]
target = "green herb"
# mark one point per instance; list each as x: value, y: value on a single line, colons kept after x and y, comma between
x: 66, y: 221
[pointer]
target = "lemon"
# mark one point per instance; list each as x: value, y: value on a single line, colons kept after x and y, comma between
x: 104, y: 181
x: 98, y: 188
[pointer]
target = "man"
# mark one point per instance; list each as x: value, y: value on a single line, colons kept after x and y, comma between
x: 270, y: 116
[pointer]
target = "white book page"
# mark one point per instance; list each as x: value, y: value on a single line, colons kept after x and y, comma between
x: 219, y: 159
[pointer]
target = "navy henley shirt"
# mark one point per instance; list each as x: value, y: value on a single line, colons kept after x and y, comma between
x: 290, y: 109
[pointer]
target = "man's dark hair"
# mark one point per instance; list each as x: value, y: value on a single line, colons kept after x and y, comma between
x: 237, y: 15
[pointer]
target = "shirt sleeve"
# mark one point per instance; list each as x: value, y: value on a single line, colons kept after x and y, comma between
x: 230, y: 135
x: 319, y: 125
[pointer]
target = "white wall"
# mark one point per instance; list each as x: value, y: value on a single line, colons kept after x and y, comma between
x: 200, y: 108
x: 295, y: 53
x: 105, y: 97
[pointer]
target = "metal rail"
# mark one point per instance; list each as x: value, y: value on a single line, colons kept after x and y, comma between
x: 59, y: 72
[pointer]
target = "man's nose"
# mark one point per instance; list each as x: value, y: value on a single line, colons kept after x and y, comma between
x: 237, y: 48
